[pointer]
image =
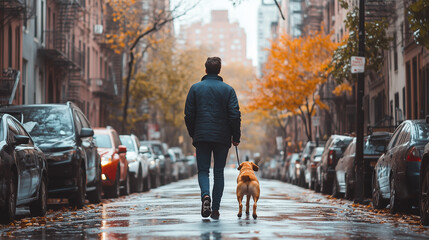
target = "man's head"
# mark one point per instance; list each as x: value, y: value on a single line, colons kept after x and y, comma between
x: 213, y: 65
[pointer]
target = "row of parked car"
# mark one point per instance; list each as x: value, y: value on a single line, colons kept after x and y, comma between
x: 395, y: 173
x: 51, y: 151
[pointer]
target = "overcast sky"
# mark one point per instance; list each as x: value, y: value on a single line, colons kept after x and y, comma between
x: 245, y: 14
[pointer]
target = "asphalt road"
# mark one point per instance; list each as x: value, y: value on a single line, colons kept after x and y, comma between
x: 173, y: 212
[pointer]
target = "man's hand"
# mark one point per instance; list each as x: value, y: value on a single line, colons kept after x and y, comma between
x: 235, y: 143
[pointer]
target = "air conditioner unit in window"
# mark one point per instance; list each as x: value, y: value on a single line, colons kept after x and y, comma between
x: 98, y: 29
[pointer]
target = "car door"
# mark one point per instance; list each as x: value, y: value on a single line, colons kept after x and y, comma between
x: 32, y: 160
x: 383, y: 164
x: 88, y: 145
x: 22, y: 160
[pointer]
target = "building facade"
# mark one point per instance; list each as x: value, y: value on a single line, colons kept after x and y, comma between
x: 268, y: 19
x: 222, y: 38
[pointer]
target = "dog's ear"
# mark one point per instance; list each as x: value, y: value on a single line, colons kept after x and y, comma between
x: 239, y: 167
x: 255, y: 167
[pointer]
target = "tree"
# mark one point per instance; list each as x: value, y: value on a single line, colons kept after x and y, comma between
x: 418, y: 16
x: 293, y: 73
x: 136, y: 23
x: 164, y: 85
x: 376, y: 42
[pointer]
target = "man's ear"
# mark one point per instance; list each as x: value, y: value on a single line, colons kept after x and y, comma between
x: 255, y: 167
x: 239, y: 167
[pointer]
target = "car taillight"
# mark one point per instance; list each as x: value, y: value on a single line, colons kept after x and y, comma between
x: 331, y: 157
x: 413, y: 155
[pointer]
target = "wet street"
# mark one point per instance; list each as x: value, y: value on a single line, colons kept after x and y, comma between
x: 173, y: 212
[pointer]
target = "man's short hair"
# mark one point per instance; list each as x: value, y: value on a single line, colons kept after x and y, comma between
x: 213, y: 65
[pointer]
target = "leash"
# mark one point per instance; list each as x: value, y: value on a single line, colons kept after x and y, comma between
x: 236, y: 151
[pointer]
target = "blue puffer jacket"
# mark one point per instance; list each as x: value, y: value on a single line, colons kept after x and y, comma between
x: 212, y: 113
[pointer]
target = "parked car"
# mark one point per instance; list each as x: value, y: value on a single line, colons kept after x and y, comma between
x: 184, y: 169
x: 305, y: 157
x: 23, y: 171
x: 65, y: 136
x: 311, y: 168
x: 334, y: 149
x: 164, y: 159
x: 114, y: 162
x: 138, y: 165
x: 175, y: 165
x: 397, y: 172
x: 290, y: 170
x: 424, y: 186
x: 192, y: 163
x: 345, y: 179
x: 154, y: 166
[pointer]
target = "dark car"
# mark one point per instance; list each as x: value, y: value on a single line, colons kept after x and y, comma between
x: 424, y: 186
x: 345, y: 180
x: 305, y: 157
x: 164, y: 159
x: 65, y: 136
x: 23, y: 171
x: 397, y: 172
x: 334, y: 149
x: 138, y: 165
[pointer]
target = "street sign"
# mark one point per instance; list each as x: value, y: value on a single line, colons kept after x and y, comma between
x: 358, y: 64
x: 316, y: 121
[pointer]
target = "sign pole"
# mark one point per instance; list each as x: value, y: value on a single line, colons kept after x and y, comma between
x: 359, y: 191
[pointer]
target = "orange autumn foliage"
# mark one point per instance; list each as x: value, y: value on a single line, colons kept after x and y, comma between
x: 294, y: 70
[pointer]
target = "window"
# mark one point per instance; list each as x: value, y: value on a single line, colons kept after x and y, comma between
x: 408, y: 85
x: 395, y: 53
x: 18, y: 47
x: 395, y: 137
x: 415, y: 96
x: 42, y: 24
x: 35, y: 18
x: 9, y: 43
x: 103, y: 140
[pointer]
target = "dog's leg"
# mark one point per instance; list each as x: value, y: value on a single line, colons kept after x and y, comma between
x: 248, y: 204
x: 255, y: 196
x: 240, y: 204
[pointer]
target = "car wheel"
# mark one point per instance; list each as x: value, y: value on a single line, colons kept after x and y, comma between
x: 7, y: 213
x: 336, y: 188
x: 39, y: 207
x: 377, y: 199
x: 394, y: 201
x: 78, y: 198
x: 146, y: 184
x: 126, y: 187
x: 113, y: 191
x: 424, y: 197
x: 95, y: 196
x: 349, y: 189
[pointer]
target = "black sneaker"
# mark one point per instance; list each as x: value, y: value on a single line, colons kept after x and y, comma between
x: 205, y: 207
x: 215, y: 214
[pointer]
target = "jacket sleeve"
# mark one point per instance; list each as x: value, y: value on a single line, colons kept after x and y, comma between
x: 190, y: 112
x: 234, y: 117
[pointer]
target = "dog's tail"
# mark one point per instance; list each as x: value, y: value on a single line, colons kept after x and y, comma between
x: 245, y: 178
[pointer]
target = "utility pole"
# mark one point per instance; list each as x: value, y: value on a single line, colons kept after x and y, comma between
x: 359, y: 191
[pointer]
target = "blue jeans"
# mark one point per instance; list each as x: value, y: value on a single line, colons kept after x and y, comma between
x: 204, y: 152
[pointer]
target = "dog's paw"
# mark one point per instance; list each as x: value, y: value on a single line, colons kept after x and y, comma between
x: 254, y: 216
x: 239, y: 215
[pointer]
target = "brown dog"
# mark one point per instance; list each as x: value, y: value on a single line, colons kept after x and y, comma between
x: 247, y: 184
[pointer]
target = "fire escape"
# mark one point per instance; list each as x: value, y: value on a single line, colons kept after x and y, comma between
x: 10, y: 10
x: 61, y: 51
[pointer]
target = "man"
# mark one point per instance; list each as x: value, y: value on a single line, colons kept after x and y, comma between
x: 213, y: 119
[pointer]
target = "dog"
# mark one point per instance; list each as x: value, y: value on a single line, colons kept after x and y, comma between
x: 247, y: 184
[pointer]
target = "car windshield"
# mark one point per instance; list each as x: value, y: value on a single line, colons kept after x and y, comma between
x: 47, y: 123
x: 103, y: 140
x: 128, y: 142
x: 375, y: 146
x: 422, y: 131
x: 318, y: 151
x: 157, y: 149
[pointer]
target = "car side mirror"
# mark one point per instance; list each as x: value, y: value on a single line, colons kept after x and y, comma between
x: 122, y: 149
x: 86, y: 132
x: 143, y: 149
x: 21, y: 139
